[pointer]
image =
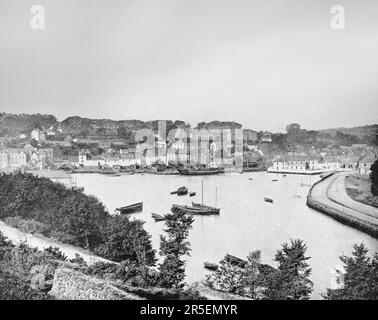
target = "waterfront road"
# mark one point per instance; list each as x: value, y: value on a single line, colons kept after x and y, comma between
x: 330, y: 197
x: 16, y: 237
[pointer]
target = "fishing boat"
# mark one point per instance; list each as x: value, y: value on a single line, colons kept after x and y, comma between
x: 268, y: 200
x: 192, y: 194
x: 210, y: 266
x: 157, y: 217
x: 200, y: 171
x: 235, y: 260
x: 136, y: 207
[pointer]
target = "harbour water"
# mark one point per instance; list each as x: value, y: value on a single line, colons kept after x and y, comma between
x: 246, y: 221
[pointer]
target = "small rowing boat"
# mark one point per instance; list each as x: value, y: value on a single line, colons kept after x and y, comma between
x: 136, y: 207
x: 210, y: 266
x: 268, y: 200
x: 157, y: 217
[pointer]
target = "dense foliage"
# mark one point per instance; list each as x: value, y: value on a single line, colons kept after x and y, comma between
x: 290, y: 281
x: 374, y: 178
x: 173, y: 248
x: 70, y: 216
x: 360, y: 278
x: 127, y: 240
x: 259, y: 281
x: 39, y: 205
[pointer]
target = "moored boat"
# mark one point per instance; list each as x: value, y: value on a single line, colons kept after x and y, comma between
x: 157, y: 217
x: 268, y: 200
x: 136, y: 207
x: 211, y: 266
x: 192, y: 194
x: 182, y: 191
x: 200, y: 171
x: 209, y: 208
x: 192, y: 210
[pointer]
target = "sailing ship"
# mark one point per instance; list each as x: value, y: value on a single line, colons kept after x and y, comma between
x: 200, y: 171
x: 198, y: 208
x: 136, y: 207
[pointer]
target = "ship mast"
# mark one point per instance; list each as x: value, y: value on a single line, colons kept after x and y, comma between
x: 202, y: 194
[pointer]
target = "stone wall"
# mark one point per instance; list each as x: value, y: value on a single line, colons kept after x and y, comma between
x: 69, y: 284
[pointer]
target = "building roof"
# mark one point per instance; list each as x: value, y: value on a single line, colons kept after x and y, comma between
x: 368, y: 160
x: 297, y: 158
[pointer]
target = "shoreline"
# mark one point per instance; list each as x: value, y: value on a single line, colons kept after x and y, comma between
x: 329, y: 197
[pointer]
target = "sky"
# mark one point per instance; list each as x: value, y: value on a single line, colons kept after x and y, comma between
x: 264, y: 64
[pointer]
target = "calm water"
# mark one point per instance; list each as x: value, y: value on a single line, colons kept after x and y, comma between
x: 246, y: 221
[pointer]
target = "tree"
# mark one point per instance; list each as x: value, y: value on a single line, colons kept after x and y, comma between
x: 291, y: 279
x: 374, y: 178
x: 229, y: 277
x: 124, y: 134
x: 173, y: 247
x: 360, y: 279
x: 252, y: 278
x: 127, y: 240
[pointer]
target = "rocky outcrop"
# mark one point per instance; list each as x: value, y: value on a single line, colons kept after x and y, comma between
x: 70, y: 284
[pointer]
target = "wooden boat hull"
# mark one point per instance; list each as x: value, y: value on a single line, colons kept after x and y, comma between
x: 210, y: 266
x: 235, y: 260
x: 157, y: 217
x: 191, y: 210
x: 209, y: 208
x: 268, y: 200
x: 203, y: 172
x: 136, y: 207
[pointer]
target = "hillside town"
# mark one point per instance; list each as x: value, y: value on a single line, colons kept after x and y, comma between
x: 85, y: 145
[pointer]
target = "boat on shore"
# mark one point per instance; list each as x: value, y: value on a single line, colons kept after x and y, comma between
x: 199, y: 171
x: 80, y: 189
x: 135, y: 207
x: 268, y: 199
x: 158, y: 217
x: 235, y: 260
x: 210, y: 266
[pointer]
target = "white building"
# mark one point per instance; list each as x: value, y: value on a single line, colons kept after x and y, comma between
x: 38, y: 135
x: 296, y: 164
x: 3, y: 160
x: 266, y: 137
x: 365, y: 165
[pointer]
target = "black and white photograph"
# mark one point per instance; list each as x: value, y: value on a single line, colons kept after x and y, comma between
x: 213, y: 151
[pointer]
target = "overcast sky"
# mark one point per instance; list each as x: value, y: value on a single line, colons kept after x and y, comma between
x: 261, y: 63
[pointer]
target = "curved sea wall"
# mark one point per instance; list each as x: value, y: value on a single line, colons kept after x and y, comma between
x: 336, y: 210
